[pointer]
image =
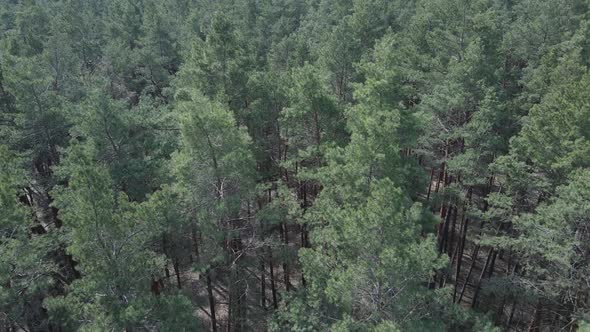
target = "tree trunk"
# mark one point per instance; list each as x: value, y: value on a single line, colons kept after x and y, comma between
x: 481, y: 275
x: 500, y: 312
x: 460, y: 250
x: 262, y: 285
x: 235, y: 288
x: 535, y: 324
x: 175, y: 264
x: 430, y: 185
x: 493, y: 264
x: 167, y: 271
x: 196, y: 244
x: 165, y: 250
x: 445, y: 231
x: 441, y: 175
x: 451, y: 241
x: 285, y: 265
x: 211, y: 302
x: 272, y: 280
x: 230, y: 303
x: 473, y: 261
x: 512, y: 310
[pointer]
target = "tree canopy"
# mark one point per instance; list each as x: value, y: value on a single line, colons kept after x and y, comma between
x: 286, y: 165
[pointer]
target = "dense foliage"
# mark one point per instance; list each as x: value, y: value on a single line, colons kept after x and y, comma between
x: 290, y: 165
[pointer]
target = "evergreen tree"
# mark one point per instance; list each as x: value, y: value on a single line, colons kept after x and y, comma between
x: 216, y: 193
x: 356, y: 282
x: 27, y: 271
x: 110, y: 242
x: 246, y: 165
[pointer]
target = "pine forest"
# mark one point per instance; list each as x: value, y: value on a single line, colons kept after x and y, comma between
x: 294, y: 165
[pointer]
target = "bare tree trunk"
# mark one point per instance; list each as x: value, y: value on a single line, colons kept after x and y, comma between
x: 466, y: 282
x: 235, y: 288
x: 303, y: 245
x: 285, y: 265
x: 445, y: 231
x: 493, y: 264
x: 230, y: 302
x: 175, y: 264
x: 481, y: 275
x: 272, y: 281
x: 451, y: 241
x: 500, y: 312
x: 211, y: 302
x: 262, y: 284
x: 535, y: 324
x: 165, y: 250
x: 430, y: 184
x: 460, y: 250
x: 196, y: 244
x: 512, y: 310
x: 441, y: 175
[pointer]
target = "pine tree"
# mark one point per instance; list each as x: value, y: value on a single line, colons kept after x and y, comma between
x: 355, y: 281
x: 216, y: 193
x: 27, y: 271
x: 110, y: 242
